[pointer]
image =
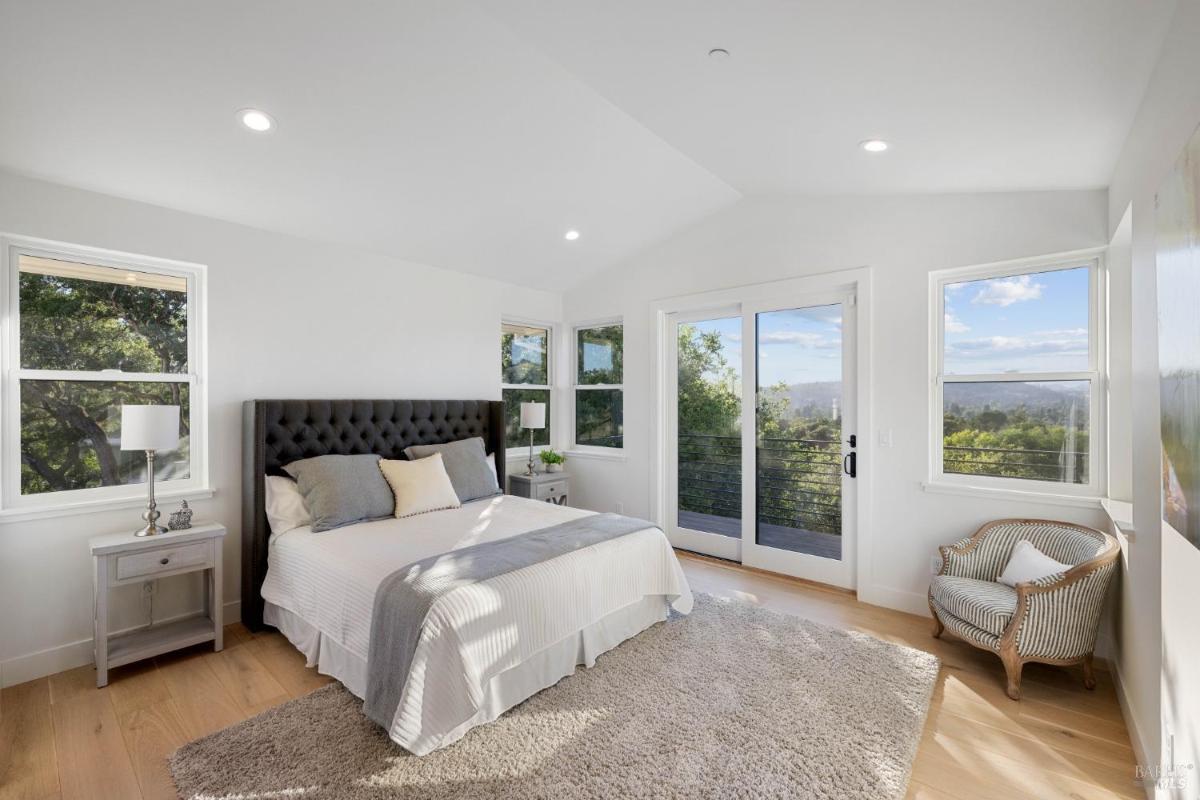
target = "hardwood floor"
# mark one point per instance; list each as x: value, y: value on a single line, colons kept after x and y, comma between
x: 60, y: 737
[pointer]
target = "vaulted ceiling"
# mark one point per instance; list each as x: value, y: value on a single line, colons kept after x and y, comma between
x: 472, y: 136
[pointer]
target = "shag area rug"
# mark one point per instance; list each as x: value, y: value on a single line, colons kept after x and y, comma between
x: 732, y: 701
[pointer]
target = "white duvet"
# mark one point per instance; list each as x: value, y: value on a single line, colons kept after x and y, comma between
x: 487, y: 646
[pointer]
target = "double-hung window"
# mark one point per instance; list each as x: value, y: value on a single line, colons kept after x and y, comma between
x: 525, y: 376
x: 1019, y: 399
x: 84, y: 333
x: 599, y: 389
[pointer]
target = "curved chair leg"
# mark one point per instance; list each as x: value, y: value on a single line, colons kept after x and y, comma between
x: 1089, y: 677
x: 1012, y: 669
x: 938, y: 627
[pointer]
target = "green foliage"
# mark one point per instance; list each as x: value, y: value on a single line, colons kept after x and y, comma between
x: 600, y: 355
x: 1013, y: 446
x: 709, y: 398
x: 69, y: 428
x: 552, y: 456
x: 799, y: 457
x: 514, y: 434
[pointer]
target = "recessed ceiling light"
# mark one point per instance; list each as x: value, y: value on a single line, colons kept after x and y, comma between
x: 571, y: 236
x: 874, y: 145
x: 718, y: 54
x: 255, y: 120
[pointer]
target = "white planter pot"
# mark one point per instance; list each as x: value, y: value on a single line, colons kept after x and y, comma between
x: 554, y: 467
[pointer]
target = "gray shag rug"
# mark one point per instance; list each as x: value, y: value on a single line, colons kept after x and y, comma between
x: 732, y: 701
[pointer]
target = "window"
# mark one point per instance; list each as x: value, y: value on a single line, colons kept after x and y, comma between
x: 525, y: 377
x: 599, y: 394
x: 1019, y: 403
x: 85, y: 334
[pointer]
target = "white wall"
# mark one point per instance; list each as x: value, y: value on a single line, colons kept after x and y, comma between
x: 1157, y: 662
x: 286, y: 318
x: 901, y: 238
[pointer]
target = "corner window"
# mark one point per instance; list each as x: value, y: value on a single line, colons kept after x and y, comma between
x: 525, y: 377
x: 87, y: 333
x: 599, y: 389
x: 1019, y: 401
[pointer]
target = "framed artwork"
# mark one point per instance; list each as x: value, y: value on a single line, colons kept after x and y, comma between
x: 1177, y: 242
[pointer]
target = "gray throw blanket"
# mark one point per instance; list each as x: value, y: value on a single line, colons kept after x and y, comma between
x: 405, y: 597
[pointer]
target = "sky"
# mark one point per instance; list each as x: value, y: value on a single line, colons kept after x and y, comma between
x: 1024, y: 323
x: 801, y: 345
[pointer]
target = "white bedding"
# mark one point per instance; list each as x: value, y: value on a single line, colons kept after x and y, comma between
x: 487, y: 646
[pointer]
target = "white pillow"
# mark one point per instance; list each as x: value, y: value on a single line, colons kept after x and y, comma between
x: 286, y: 509
x: 1027, y: 563
x: 421, y: 485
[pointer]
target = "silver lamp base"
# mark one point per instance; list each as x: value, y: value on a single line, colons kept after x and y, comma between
x: 151, y: 514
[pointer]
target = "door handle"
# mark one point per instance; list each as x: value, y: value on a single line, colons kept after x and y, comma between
x: 850, y: 464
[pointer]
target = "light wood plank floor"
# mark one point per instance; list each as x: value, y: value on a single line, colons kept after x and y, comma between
x: 60, y: 737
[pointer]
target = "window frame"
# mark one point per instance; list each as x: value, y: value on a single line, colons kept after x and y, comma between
x: 515, y: 452
x: 588, y: 449
x: 12, y: 502
x: 1095, y: 375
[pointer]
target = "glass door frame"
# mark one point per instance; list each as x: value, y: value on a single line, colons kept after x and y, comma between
x: 773, y: 559
x: 854, y: 568
x: 714, y: 544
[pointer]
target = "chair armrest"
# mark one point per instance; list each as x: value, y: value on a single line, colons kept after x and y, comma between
x: 1058, y: 616
x: 961, y: 559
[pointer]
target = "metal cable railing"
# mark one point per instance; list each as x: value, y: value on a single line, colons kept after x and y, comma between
x: 798, y: 481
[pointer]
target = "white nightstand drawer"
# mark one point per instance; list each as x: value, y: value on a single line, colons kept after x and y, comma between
x: 167, y: 559
x: 546, y: 491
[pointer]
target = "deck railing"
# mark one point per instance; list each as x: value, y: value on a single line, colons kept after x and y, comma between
x: 799, y: 480
x: 1061, y: 466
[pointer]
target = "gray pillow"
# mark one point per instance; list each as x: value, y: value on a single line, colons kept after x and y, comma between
x: 466, y: 463
x: 342, y: 490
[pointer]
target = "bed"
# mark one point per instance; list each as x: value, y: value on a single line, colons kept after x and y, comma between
x: 490, y: 645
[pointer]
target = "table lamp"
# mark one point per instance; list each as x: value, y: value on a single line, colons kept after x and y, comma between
x: 533, y: 417
x: 150, y: 428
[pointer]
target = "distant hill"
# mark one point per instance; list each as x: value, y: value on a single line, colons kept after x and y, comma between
x: 1003, y: 396
x: 969, y: 397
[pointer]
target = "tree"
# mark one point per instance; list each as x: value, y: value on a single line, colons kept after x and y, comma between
x: 69, y: 427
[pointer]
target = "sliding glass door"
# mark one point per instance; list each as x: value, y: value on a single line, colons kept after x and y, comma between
x: 706, y: 432
x: 761, y: 442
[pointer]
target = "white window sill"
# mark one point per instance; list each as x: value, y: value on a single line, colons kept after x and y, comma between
x: 1044, y: 498
x: 1120, y: 513
x: 599, y: 455
x: 10, y: 515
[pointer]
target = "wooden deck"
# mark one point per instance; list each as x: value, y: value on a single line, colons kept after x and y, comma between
x: 825, y: 545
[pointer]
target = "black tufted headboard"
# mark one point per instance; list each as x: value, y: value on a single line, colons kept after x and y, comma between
x: 277, y: 432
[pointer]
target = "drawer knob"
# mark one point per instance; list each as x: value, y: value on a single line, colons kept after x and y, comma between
x: 164, y: 561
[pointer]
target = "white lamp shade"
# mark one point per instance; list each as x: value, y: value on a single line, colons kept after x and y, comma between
x: 149, y: 427
x: 533, y: 415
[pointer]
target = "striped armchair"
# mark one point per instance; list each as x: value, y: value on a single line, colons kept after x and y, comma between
x: 1052, y: 620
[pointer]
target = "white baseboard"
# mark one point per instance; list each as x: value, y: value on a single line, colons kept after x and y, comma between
x: 76, y: 654
x: 1136, y: 738
x: 898, y: 599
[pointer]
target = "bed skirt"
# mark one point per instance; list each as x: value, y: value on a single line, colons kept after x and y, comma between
x: 505, y: 690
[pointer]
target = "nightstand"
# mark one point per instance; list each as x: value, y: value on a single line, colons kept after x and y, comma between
x: 548, y: 486
x: 120, y: 559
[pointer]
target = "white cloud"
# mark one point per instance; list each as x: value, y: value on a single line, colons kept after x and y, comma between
x: 1006, y: 291
x: 804, y: 339
x: 1070, y: 342
x: 955, y: 325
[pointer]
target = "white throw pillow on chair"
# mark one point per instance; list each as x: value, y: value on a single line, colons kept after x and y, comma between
x: 1027, y: 563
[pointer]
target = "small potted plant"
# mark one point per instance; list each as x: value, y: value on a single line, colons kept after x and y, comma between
x: 553, y: 460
